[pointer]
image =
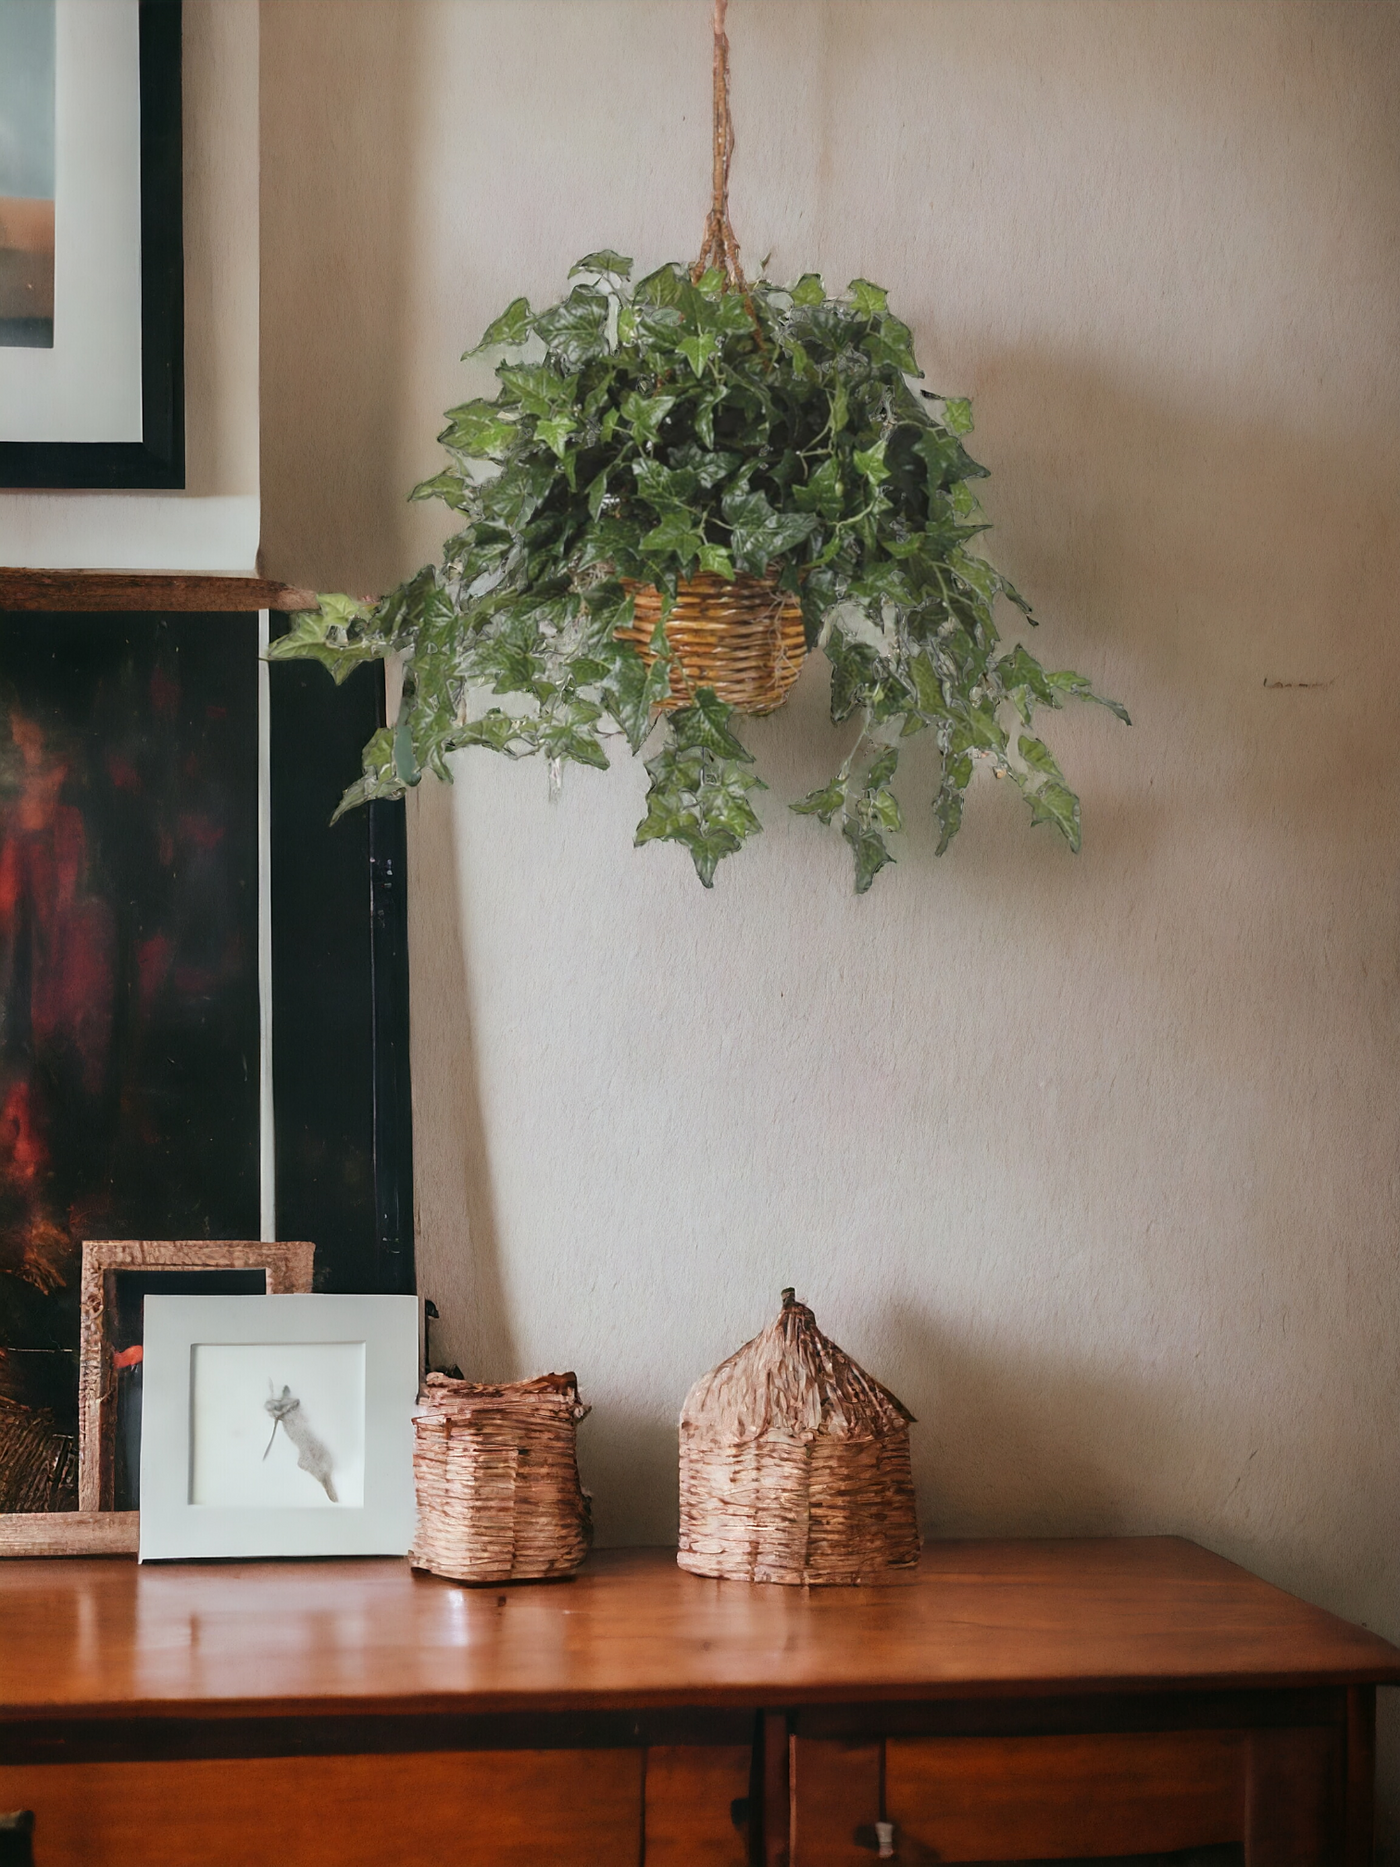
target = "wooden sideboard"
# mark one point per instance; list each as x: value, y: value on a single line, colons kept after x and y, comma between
x: 1006, y: 1701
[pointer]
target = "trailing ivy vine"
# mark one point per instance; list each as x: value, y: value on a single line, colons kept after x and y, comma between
x: 648, y: 432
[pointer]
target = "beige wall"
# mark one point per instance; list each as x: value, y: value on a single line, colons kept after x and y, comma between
x: 213, y: 524
x: 1094, y: 1161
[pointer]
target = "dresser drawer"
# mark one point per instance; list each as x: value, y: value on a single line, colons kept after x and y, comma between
x: 519, y: 1808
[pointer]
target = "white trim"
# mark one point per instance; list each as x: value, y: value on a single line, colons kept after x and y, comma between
x: 267, y: 1140
x: 131, y: 531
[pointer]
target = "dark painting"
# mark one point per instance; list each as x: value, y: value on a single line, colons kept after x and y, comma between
x: 129, y: 1007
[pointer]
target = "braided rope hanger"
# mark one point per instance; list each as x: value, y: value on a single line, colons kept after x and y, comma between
x: 719, y: 248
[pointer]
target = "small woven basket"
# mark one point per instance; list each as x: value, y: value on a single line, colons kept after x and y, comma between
x: 795, y: 1464
x: 496, y: 1473
x: 744, y: 639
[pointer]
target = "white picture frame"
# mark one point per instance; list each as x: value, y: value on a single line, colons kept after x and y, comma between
x: 279, y: 1426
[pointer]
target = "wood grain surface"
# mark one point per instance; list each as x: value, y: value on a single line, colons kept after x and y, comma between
x: 976, y: 1619
x: 140, y: 592
x: 483, y: 1809
x: 69, y: 1533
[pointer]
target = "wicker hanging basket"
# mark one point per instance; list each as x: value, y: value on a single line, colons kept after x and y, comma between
x: 497, y: 1480
x: 744, y: 639
x: 795, y: 1464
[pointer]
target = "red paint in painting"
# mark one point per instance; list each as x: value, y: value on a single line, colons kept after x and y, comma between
x: 165, y: 693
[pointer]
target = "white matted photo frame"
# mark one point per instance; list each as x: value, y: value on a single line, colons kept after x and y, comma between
x: 279, y: 1425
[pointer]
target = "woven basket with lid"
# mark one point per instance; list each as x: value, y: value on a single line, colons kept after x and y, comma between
x: 795, y: 1464
x: 744, y: 639
x: 496, y: 1474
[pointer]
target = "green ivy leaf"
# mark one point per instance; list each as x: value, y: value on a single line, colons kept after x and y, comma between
x: 478, y: 430
x: 576, y: 330
x: 635, y: 688
x: 555, y: 430
x: 1039, y: 757
x: 957, y: 414
x: 1075, y: 687
x: 948, y: 804
x: 704, y: 726
x: 698, y: 350
x: 758, y: 533
x: 339, y: 635
x: 449, y: 487
x: 893, y: 344
x: 568, y: 734
x: 499, y: 732
x: 823, y: 493
x: 698, y: 798
x: 604, y: 261
x: 870, y: 300
x: 870, y: 462
x: 645, y: 414
x: 674, y: 534
x: 378, y: 778
x: 1055, y: 803
x: 538, y: 389
x: 928, y: 688
x: 512, y: 329
x: 869, y: 850
x: 666, y: 488
x: 809, y: 290
x: 716, y: 560
x: 824, y: 802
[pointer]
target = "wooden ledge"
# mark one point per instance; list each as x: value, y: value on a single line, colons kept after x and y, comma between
x: 141, y: 591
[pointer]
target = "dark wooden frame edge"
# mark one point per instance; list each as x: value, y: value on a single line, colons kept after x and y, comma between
x: 158, y: 458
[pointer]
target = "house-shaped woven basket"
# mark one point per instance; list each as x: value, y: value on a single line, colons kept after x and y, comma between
x: 496, y: 1473
x: 795, y: 1464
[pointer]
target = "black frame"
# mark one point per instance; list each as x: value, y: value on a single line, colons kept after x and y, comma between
x: 158, y: 458
x: 341, y: 1096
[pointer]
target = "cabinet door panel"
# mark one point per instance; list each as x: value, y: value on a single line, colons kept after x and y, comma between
x: 690, y: 1796
x: 576, y: 1808
x: 1048, y: 1798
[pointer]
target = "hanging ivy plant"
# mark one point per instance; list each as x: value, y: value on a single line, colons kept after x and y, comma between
x: 646, y: 433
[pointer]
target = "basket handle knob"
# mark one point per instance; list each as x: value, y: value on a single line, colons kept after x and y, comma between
x: 789, y: 1298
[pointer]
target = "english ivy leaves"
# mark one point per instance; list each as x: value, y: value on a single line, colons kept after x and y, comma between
x: 340, y: 634
x: 759, y: 535
x: 700, y: 782
x: 868, y: 810
x: 643, y: 432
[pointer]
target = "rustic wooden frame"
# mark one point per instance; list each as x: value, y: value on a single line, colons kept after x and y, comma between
x: 286, y: 1266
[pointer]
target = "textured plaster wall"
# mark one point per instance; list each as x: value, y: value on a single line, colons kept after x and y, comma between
x: 1094, y: 1161
x: 213, y: 524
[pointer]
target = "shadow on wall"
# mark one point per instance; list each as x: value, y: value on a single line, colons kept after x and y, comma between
x: 339, y: 78
x: 457, y: 1250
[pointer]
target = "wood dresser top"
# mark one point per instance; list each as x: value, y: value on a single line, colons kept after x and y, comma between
x: 104, y: 1638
